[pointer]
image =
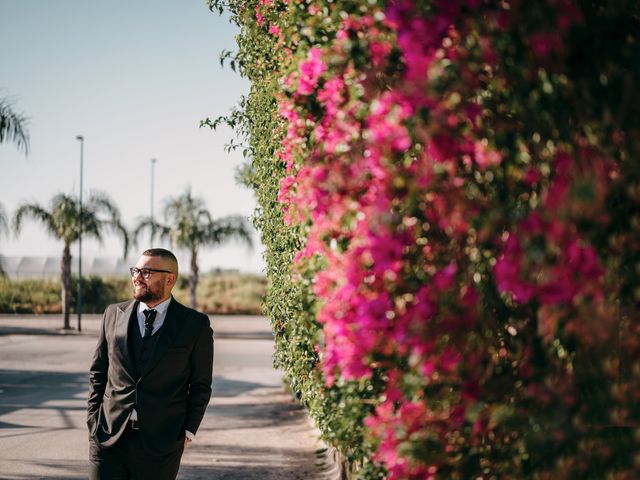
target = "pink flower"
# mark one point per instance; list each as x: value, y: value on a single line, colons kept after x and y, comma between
x: 484, y: 156
x: 259, y: 17
x: 561, y: 182
x: 545, y: 44
x: 274, y: 29
x: 331, y: 95
x: 444, y: 279
x: 379, y: 51
x: 311, y: 70
x: 385, y: 122
x: 531, y: 176
x: 285, y: 186
x: 507, y: 271
x: 570, y: 269
x: 449, y: 360
x: 428, y: 368
x: 442, y: 147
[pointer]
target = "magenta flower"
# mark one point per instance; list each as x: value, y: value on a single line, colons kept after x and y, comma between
x: 545, y: 44
x: 274, y: 30
x: 310, y: 71
x: 484, y: 156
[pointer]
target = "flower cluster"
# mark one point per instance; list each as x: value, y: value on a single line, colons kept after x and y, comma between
x: 460, y: 239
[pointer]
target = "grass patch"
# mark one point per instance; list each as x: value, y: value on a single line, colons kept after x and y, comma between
x: 30, y: 296
x: 225, y: 293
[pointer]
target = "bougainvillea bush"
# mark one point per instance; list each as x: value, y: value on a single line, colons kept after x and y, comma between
x: 450, y: 198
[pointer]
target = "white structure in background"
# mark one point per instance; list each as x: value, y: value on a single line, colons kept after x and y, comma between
x: 49, y: 267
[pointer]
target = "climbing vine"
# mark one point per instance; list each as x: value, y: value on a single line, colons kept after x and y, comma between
x: 449, y: 194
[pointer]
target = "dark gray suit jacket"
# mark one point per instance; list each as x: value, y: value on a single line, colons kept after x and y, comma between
x: 170, y: 396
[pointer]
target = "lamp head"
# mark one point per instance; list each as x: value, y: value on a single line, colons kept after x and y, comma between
x: 80, y: 137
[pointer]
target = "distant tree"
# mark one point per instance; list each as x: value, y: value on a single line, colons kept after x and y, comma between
x: 13, y: 126
x: 62, y: 221
x: 4, y: 222
x: 189, y: 226
x: 4, y: 229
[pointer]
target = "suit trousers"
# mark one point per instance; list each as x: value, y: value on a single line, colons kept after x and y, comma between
x: 127, y: 460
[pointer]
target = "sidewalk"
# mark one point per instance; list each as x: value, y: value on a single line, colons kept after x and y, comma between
x: 252, y: 430
x: 225, y: 326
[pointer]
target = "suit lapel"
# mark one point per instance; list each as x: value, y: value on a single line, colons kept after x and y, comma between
x: 123, y: 316
x: 167, y: 335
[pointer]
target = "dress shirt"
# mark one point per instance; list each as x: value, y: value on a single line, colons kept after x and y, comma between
x: 161, y: 314
x: 161, y: 308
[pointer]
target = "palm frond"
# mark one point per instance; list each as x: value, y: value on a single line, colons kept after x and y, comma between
x: 13, y: 126
x: 65, y: 218
x: 100, y: 203
x: 150, y: 225
x: 4, y: 220
x: 190, y: 226
x: 124, y: 233
x: 34, y: 211
x: 230, y: 228
x: 184, y: 206
x: 65, y: 215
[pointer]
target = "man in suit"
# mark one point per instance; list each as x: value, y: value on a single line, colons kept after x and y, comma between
x: 150, y: 378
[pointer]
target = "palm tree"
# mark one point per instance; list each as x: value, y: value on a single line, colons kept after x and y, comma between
x: 189, y: 226
x: 13, y: 126
x: 62, y: 221
x: 4, y: 228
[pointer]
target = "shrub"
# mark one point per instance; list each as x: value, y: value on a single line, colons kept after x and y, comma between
x: 29, y: 296
x: 449, y: 199
x: 227, y: 293
x: 232, y: 293
x: 98, y: 292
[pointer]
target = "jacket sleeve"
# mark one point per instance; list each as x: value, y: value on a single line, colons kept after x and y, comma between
x: 200, y: 376
x: 98, y: 376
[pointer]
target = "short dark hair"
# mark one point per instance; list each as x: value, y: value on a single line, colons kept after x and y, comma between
x: 162, y: 253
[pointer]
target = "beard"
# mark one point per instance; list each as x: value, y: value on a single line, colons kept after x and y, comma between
x: 146, y: 294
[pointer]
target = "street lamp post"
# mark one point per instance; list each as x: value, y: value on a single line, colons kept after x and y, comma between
x: 80, y: 138
x: 153, y: 229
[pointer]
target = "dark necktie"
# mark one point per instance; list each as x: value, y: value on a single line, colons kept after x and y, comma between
x: 149, y: 317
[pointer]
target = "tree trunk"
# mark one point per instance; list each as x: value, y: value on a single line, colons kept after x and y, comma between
x: 65, y: 278
x: 193, y: 278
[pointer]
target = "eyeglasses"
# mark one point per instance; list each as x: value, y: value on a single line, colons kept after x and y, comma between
x: 145, y: 272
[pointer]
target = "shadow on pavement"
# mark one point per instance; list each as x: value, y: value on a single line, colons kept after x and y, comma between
x: 255, y: 416
x: 31, y: 389
x: 256, y: 472
x: 12, y: 330
x: 224, y: 387
x: 55, y: 471
x: 233, y: 462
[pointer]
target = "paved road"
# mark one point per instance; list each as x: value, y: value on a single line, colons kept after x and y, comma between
x: 252, y: 429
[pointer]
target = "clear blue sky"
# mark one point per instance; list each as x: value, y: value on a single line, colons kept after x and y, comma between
x: 134, y: 78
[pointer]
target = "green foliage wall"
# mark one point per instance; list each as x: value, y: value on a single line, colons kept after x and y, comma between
x: 43, y: 296
x: 449, y: 198
x: 339, y: 410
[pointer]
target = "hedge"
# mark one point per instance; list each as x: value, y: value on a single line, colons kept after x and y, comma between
x: 44, y: 295
x: 449, y: 194
x: 223, y: 293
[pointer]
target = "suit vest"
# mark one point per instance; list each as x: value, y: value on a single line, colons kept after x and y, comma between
x: 141, y: 348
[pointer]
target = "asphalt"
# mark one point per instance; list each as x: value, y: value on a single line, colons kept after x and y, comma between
x: 248, y: 327
x: 252, y: 430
